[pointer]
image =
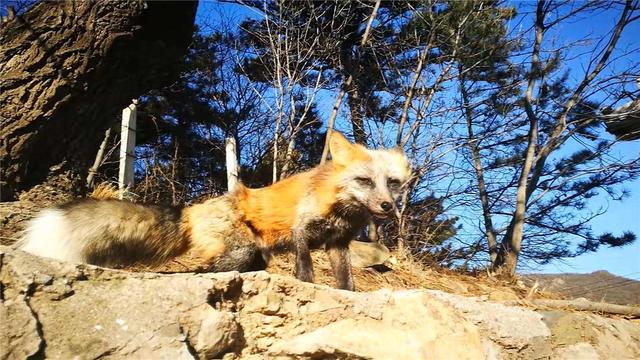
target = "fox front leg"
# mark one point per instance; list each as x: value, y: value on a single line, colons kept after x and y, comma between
x: 341, y: 265
x: 304, y: 265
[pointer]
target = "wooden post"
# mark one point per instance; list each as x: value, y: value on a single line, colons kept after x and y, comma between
x: 231, y: 152
x: 127, y: 149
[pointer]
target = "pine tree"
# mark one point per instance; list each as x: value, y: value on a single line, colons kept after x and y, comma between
x: 533, y: 184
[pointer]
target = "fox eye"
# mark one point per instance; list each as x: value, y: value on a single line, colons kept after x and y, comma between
x: 393, y: 183
x: 365, y: 181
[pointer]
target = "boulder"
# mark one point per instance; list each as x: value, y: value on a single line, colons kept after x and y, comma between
x: 366, y: 254
x: 62, y: 310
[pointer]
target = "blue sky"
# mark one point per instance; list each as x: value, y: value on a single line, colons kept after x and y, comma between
x: 620, y: 216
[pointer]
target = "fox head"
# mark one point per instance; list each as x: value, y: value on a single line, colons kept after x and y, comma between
x: 368, y: 178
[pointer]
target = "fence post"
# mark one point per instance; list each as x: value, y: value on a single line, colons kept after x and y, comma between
x: 127, y: 149
x: 231, y: 152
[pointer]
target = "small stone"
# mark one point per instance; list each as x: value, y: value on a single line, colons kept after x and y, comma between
x: 217, y: 335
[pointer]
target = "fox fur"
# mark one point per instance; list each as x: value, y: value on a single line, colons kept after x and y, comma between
x: 325, y: 206
x: 116, y: 233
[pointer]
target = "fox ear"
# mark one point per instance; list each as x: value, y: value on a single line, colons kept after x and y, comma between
x: 340, y: 148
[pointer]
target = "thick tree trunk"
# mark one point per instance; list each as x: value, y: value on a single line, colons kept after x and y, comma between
x: 67, y: 68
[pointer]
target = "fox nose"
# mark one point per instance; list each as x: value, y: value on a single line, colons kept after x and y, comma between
x: 386, y: 206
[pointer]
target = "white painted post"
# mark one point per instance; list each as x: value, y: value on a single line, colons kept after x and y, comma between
x: 127, y: 149
x: 231, y: 158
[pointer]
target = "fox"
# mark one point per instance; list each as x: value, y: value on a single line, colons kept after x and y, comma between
x: 324, y: 207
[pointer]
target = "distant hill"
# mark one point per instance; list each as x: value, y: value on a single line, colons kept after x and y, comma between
x: 596, y: 286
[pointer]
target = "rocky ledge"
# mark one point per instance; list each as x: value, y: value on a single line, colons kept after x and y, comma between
x: 57, y: 310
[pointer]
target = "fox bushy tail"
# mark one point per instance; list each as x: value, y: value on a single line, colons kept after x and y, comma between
x: 211, y: 235
x: 106, y: 232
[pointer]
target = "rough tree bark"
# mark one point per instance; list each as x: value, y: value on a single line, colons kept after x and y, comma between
x: 67, y: 69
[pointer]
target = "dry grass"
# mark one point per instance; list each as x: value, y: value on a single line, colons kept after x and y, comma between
x: 104, y: 191
x: 412, y: 275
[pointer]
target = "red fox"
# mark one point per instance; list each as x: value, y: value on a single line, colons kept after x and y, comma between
x: 325, y: 206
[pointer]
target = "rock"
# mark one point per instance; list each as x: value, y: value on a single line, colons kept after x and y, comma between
x: 516, y: 330
x: 413, y: 326
x: 19, y: 336
x: 582, y: 351
x: 60, y: 310
x: 212, y: 333
x: 606, y: 336
x: 365, y: 254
